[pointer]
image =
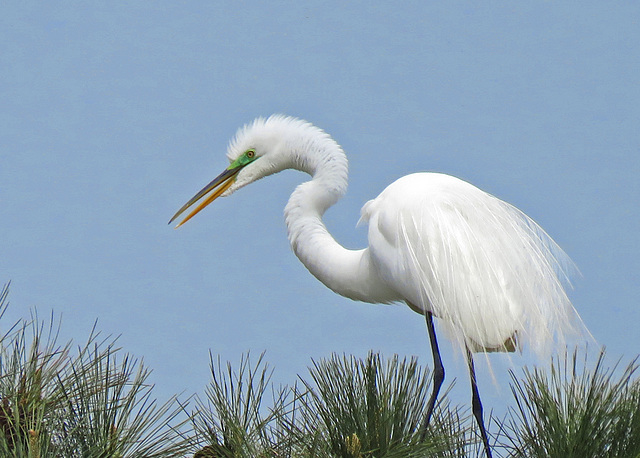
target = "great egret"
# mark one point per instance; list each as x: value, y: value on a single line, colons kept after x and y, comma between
x: 437, y: 243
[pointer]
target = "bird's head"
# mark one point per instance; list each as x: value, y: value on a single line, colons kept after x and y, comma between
x: 258, y: 149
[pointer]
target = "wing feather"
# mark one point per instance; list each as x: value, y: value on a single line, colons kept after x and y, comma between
x: 487, y: 270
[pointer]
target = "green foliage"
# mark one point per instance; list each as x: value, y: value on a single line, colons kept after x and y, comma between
x: 95, y: 402
x: 233, y: 422
x: 375, y: 408
x: 571, y: 411
x: 91, y: 403
x: 350, y: 408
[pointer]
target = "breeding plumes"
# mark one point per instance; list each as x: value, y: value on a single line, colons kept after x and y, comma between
x: 437, y: 243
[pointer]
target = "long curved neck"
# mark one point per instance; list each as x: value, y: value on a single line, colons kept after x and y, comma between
x: 349, y: 273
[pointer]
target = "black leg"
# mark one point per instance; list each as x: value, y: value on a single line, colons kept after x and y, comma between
x: 476, y: 405
x: 438, y: 372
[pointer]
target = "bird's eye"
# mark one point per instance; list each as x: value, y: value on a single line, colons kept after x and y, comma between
x: 251, y: 154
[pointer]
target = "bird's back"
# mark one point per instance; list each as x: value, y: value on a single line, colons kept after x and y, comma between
x: 481, y: 265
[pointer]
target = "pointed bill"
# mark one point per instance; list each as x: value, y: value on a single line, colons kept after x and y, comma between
x: 217, y: 187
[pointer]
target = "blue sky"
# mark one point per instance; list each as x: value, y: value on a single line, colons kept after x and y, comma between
x: 113, y: 115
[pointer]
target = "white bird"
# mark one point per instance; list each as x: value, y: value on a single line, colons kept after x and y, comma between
x: 437, y: 243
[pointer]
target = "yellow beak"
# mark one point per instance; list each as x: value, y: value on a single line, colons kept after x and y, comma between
x: 217, y: 187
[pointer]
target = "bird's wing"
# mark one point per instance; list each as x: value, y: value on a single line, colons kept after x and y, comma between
x: 481, y: 265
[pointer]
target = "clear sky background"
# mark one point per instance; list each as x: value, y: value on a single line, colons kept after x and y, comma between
x: 113, y: 115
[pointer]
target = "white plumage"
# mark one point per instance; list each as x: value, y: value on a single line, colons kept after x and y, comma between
x: 487, y: 270
x: 437, y: 243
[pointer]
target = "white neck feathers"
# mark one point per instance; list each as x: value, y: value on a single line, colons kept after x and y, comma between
x: 347, y: 272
